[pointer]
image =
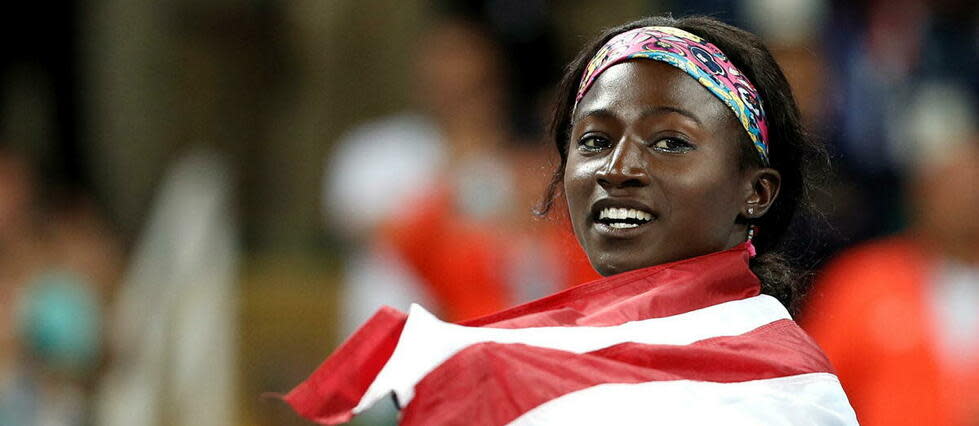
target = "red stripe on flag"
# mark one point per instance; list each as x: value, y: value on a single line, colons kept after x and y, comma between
x: 654, y: 292
x: 335, y: 388
x: 492, y: 383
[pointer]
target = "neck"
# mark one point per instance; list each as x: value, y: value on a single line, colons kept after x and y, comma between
x: 661, y: 290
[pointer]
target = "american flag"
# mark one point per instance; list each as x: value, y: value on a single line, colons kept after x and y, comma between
x: 689, y: 342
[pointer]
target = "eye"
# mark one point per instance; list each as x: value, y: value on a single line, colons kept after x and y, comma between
x: 672, y: 145
x: 593, y: 143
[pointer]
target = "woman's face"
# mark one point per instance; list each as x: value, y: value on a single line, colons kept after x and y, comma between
x: 653, y: 170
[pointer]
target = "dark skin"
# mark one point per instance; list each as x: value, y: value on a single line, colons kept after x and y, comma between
x: 648, y: 137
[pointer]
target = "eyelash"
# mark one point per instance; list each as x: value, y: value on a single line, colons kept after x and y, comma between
x: 582, y: 144
x: 679, y: 145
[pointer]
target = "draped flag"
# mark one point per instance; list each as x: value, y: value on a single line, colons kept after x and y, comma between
x: 690, y: 342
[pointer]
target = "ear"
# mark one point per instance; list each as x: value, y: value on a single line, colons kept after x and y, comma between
x: 761, y: 189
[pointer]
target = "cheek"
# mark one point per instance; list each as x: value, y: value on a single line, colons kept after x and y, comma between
x: 578, y: 177
x: 702, y: 199
x: 579, y: 184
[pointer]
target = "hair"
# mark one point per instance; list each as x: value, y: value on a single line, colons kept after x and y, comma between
x: 800, y: 159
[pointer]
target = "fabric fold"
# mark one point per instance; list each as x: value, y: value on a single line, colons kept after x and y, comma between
x: 330, y: 394
x: 697, y: 326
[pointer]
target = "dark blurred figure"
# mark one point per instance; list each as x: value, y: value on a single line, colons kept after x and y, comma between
x: 880, y: 53
x: 56, y: 264
x: 899, y: 317
x: 468, y: 235
x: 437, y: 203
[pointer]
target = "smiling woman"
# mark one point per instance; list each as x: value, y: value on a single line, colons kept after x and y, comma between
x: 673, y: 118
x: 668, y: 150
x: 664, y: 128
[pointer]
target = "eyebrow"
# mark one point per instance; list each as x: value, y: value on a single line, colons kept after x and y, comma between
x: 646, y: 112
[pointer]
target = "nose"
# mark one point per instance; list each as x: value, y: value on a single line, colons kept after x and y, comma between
x: 625, y: 167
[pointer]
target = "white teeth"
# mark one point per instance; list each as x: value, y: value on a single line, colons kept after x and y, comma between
x: 622, y: 225
x: 623, y: 213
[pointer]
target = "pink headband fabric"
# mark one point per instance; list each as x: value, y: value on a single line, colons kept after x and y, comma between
x: 697, y: 57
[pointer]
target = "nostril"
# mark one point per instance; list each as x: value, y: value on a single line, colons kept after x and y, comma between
x: 626, y: 166
x: 607, y: 183
x: 621, y: 181
x: 632, y: 182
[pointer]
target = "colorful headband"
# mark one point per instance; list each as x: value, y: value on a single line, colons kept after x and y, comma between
x: 695, y: 56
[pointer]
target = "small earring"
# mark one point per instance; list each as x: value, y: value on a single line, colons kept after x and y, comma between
x: 751, y: 232
x: 751, y: 211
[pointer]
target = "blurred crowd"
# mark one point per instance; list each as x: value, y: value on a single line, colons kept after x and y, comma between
x: 160, y: 314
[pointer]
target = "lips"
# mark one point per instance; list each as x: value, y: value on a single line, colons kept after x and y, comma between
x: 611, y: 215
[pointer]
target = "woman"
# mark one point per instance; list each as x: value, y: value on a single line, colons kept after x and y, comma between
x: 664, y: 129
x: 780, y: 180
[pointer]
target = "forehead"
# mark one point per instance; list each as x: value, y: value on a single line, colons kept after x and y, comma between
x: 648, y: 83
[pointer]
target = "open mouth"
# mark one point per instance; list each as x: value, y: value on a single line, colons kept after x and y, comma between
x: 623, y: 218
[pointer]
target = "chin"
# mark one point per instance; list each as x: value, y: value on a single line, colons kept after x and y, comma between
x: 611, y: 263
x: 606, y: 270
x: 607, y: 267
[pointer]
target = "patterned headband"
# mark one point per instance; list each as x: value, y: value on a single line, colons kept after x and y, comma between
x: 697, y: 57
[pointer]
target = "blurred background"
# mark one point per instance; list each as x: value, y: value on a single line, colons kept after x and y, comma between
x: 199, y: 200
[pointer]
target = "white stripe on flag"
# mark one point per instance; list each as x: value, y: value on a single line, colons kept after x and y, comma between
x: 426, y: 341
x: 805, y: 399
